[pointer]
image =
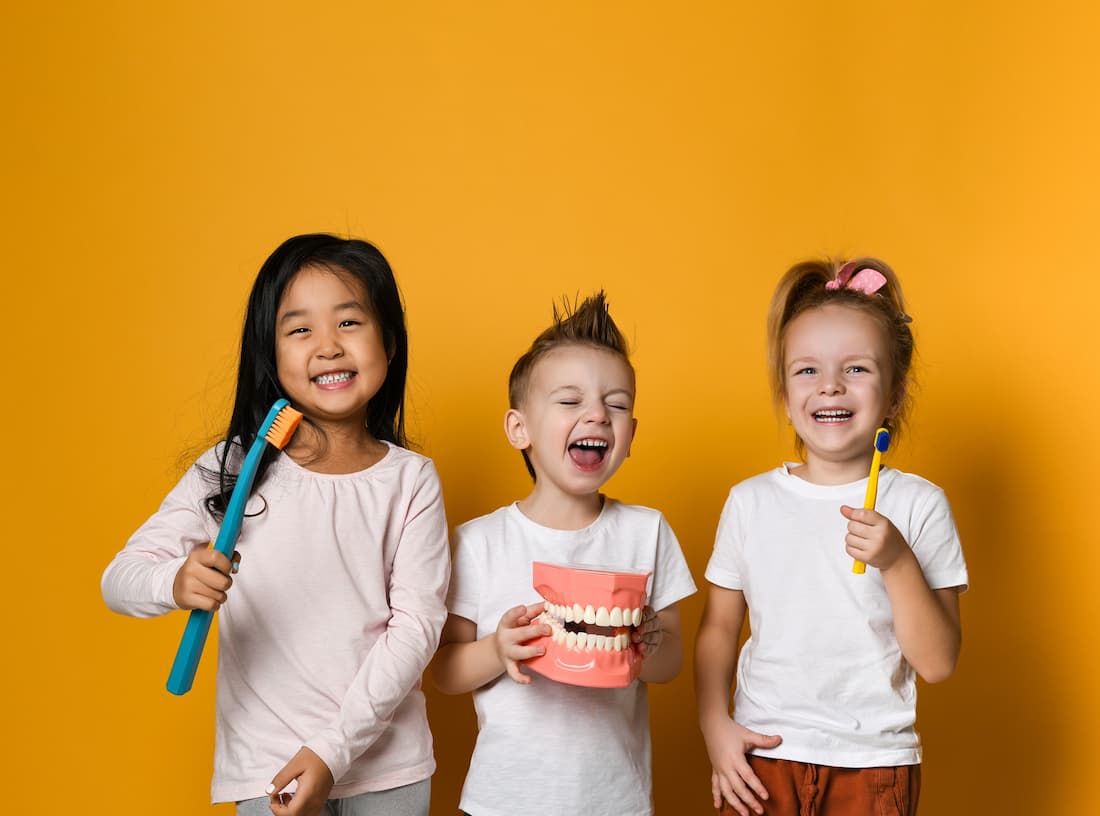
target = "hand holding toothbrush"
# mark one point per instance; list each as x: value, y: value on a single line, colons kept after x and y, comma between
x: 872, y: 538
x: 203, y: 579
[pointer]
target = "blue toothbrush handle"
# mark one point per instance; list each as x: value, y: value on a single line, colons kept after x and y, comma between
x: 190, y: 650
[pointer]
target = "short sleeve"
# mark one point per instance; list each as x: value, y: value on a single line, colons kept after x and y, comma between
x: 466, y: 572
x: 724, y: 567
x: 936, y: 544
x: 672, y: 579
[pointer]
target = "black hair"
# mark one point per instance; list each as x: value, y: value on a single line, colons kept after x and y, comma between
x: 258, y: 384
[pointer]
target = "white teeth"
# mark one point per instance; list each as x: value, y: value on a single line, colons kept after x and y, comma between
x: 603, y: 617
x: 601, y: 642
x: 589, y: 614
x: 567, y: 614
x: 832, y: 415
x: 617, y: 643
x: 329, y: 379
x: 559, y: 635
x: 616, y: 617
x: 636, y: 617
x: 590, y: 443
x: 578, y: 613
x: 571, y: 640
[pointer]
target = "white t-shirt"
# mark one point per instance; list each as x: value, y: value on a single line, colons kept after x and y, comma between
x: 335, y: 612
x: 823, y: 668
x: 548, y: 748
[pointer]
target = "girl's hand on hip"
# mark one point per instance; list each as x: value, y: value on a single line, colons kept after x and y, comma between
x: 732, y: 777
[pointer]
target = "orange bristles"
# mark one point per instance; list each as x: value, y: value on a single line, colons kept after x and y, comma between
x: 284, y: 426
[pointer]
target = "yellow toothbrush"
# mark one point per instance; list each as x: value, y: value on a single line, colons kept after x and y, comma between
x: 882, y: 442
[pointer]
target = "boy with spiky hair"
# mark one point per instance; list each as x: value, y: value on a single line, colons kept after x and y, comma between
x: 547, y: 748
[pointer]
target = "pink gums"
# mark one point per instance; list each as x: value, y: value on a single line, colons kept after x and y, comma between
x: 590, y: 587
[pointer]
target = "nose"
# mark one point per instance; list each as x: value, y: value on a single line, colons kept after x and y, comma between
x: 597, y: 412
x: 831, y: 385
x: 328, y: 345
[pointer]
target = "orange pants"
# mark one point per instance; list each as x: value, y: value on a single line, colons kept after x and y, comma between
x: 801, y: 789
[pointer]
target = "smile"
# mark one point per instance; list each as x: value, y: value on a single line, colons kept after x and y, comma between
x: 832, y: 415
x: 591, y: 614
x: 334, y: 378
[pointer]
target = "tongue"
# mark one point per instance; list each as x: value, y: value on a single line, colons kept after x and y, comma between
x: 586, y: 457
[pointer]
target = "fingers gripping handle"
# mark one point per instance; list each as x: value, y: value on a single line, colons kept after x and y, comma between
x: 190, y: 650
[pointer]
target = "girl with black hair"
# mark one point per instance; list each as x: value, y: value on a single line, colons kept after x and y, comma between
x: 340, y: 601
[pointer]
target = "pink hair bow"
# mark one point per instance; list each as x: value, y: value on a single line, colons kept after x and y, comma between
x: 866, y: 280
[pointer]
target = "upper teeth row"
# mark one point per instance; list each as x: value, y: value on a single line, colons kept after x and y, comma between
x: 590, y: 443
x: 328, y: 379
x: 601, y: 617
x: 833, y: 413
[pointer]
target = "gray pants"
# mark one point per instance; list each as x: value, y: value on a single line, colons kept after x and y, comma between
x: 408, y: 800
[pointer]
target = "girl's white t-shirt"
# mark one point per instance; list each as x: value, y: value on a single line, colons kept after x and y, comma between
x: 822, y: 667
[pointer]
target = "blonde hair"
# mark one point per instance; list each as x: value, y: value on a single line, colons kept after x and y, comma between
x: 588, y: 324
x: 803, y: 288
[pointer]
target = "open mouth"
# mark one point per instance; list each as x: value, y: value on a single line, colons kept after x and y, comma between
x: 832, y: 415
x: 591, y: 614
x: 588, y: 454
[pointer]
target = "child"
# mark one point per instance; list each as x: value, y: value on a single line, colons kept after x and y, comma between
x: 546, y: 747
x: 826, y: 698
x: 344, y: 561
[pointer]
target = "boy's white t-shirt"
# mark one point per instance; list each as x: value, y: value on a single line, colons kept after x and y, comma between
x: 548, y: 748
x: 823, y: 668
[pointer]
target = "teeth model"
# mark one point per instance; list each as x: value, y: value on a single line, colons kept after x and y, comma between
x: 591, y: 614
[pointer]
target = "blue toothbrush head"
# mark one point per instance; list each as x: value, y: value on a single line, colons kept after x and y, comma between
x: 882, y: 440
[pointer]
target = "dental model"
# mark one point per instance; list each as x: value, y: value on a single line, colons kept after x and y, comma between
x: 591, y: 613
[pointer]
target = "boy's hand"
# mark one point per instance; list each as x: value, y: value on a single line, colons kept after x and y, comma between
x: 314, y: 784
x: 515, y: 629
x: 872, y: 538
x: 203, y: 579
x: 648, y: 634
x: 731, y: 777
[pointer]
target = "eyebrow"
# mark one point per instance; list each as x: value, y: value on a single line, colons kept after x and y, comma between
x: 339, y: 307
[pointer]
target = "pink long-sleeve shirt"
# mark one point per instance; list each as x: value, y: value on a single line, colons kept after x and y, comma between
x: 329, y: 624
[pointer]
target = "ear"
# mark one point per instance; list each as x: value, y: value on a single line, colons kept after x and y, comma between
x: 515, y: 428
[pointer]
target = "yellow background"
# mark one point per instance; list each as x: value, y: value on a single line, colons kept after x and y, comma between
x: 502, y: 155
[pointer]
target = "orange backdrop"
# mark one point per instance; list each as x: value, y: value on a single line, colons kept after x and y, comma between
x: 502, y: 155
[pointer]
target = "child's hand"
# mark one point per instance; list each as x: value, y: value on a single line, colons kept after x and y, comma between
x: 203, y: 579
x: 648, y: 634
x: 732, y: 778
x: 872, y: 538
x: 515, y: 629
x: 314, y: 784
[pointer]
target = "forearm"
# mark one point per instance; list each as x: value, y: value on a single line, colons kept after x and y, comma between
x: 665, y: 664
x: 460, y: 667
x: 926, y: 622
x: 138, y: 584
x: 715, y: 664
